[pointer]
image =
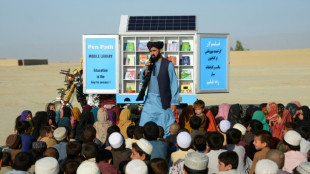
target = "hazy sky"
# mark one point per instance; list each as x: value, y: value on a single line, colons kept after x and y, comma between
x: 43, y: 29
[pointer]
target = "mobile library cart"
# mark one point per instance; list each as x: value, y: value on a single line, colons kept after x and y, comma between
x: 112, y: 63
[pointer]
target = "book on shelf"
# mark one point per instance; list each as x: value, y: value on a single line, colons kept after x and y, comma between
x: 130, y: 74
x: 186, y: 88
x: 173, y: 59
x: 131, y: 87
x: 142, y: 46
x: 186, y: 74
x: 186, y: 46
x: 173, y: 46
x: 129, y: 60
x: 130, y: 46
x: 185, y: 60
x: 142, y: 59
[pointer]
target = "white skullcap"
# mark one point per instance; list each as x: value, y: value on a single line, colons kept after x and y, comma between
x: 145, y: 145
x: 184, y: 140
x: 196, y: 161
x: 116, y: 140
x: 240, y: 127
x: 303, y: 168
x: 47, y: 165
x: 224, y: 125
x: 88, y: 167
x: 266, y: 166
x: 292, y: 138
x: 60, y: 133
x: 136, y: 166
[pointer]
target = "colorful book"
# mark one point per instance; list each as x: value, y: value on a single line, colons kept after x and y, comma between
x: 130, y: 74
x: 186, y: 74
x: 186, y: 88
x: 129, y: 60
x: 173, y: 59
x: 186, y: 46
x: 130, y: 87
x: 143, y: 46
x: 130, y: 46
x: 142, y: 59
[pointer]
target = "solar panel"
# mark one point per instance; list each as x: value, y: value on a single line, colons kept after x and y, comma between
x: 161, y: 23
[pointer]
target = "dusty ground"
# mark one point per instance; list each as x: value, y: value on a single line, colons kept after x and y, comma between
x: 255, y: 77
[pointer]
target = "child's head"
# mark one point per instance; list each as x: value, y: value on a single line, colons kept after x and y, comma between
x: 151, y: 131
x: 104, y: 155
x: 302, y: 168
x: 61, y: 134
x: 141, y: 150
x: 158, y: 166
x: 184, y: 141
x: 26, y: 115
x: 215, y: 140
x: 196, y: 163
x: 174, y: 128
x: 289, y: 126
x: 116, y: 141
x: 130, y: 131
x: 264, y: 166
x: 224, y: 126
x: 255, y: 126
x: 199, y: 107
x: 70, y: 166
x: 89, y: 134
x: 73, y: 149
x: 23, y: 127
x: 89, y: 150
x: 51, y: 152
x: 160, y: 132
x: 13, y: 141
x: 228, y: 160
x: 276, y: 156
x: 200, y: 143
x: 46, y: 131
x: 292, y: 140
x: 138, y: 133
x: 22, y: 161
x: 6, y: 159
x: 47, y: 165
x: 233, y: 136
x: 262, y: 139
x: 195, y: 122
x: 50, y: 106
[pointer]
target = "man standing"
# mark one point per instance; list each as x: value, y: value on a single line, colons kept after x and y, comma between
x: 163, y: 92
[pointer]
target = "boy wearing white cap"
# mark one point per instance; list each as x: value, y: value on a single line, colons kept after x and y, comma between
x: 196, y: 163
x: 184, y: 142
x: 266, y: 166
x: 141, y: 150
x: 293, y: 156
x: 119, y: 151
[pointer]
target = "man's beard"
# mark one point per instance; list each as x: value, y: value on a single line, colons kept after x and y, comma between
x: 157, y: 57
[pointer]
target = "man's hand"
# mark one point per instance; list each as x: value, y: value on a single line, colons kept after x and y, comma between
x: 173, y: 108
x: 147, y: 64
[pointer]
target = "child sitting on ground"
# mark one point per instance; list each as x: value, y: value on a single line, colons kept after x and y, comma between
x: 214, y: 148
x: 158, y: 166
x: 47, y: 136
x: 262, y: 142
x: 195, y: 123
x: 23, y: 128
x: 184, y: 142
x: 142, y: 150
x: 119, y: 151
x: 228, y: 163
x: 200, y: 143
x: 199, y: 107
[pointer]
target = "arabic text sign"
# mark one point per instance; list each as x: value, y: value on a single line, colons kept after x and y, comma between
x: 213, y: 63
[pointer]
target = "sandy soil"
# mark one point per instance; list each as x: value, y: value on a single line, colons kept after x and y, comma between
x: 255, y: 77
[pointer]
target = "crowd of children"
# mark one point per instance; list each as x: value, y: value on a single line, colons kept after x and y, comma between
x: 225, y: 139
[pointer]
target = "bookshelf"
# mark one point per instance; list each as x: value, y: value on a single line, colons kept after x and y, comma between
x: 179, y: 49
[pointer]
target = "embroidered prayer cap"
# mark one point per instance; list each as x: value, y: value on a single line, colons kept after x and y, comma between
x: 266, y: 166
x: 292, y: 138
x: 47, y: 165
x: 156, y: 44
x: 196, y: 161
x: 39, y: 145
x: 116, y: 140
x: 12, y: 141
x: 136, y: 166
x: 88, y: 167
x: 184, y: 140
x: 240, y: 127
x: 60, y: 133
x: 303, y: 168
x: 145, y: 145
x: 224, y: 125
